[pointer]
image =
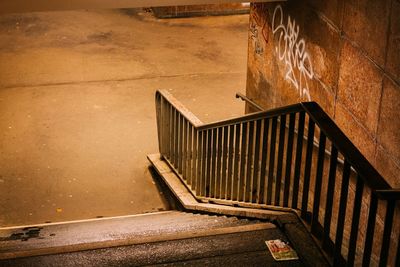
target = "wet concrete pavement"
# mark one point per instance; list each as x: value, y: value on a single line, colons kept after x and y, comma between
x: 77, y: 112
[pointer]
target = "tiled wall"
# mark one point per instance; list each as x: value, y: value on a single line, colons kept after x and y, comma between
x: 343, y: 54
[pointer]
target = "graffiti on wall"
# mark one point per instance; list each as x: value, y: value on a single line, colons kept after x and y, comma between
x: 291, y: 50
x: 254, y: 37
x: 258, y: 25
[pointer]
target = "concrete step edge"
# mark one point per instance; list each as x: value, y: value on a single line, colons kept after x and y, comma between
x: 136, y: 240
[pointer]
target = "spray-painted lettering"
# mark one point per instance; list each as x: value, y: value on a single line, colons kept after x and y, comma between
x: 292, y: 51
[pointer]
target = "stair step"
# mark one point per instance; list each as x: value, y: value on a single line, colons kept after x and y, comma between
x: 229, y: 249
x: 117, y: 231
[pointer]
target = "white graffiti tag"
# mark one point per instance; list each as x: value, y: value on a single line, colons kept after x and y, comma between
x: 292, y: 51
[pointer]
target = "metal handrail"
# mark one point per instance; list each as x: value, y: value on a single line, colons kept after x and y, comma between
x: 260, y: 108
x: 347, y: 148
x: 260, y: 160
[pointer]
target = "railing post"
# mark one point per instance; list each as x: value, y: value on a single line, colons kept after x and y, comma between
x: 289, y: 153
x: 370, y: 230
x: 390, y: 205
x: 307, y: 169
x: 271, y: 164
x: 299, y: 152
x: 326, y: 241
x: 337, y: 260
x: 355, y: 221
x: 318, y: 183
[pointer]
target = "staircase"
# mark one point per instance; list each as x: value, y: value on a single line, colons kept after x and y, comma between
x: 287, y: 173
x: 291, y: 159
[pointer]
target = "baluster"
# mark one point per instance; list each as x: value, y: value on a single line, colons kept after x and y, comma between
x: 307, y: 169
x: 176, y: 140
x: 196, y: 166
x: 213, y: 162
x: 167, y: 132
x: 242, y: 161
x: 271, y: 161
x: 299, y: 153
x: 370, y: 230
x: 175, y: 143
x: 208, y: 176
x: 160, y: 123
x: 218, y: 158
x: 289, y: 153
x: 264, y: 153
x: 355, y: 221
x: 179, y: 137
x: 231, y: 163
x: 171, y: 134
x: 189, y: 165
x: 337, y: 260
x: 281, y: 146
x: 255, y: 182
x: 248, y: 177
x: 224, y: 164
x: 326, y: 241
x: 318, y: 183
x: 390, y: 204
x: 183, y: 143
x: 236, y: 162
x: 200, y: 161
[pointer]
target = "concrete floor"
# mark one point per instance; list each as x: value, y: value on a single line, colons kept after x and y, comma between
x: 77, y: 114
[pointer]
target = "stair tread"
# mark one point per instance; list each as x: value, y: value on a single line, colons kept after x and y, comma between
x: 234, y: 249
x: 104, y: 230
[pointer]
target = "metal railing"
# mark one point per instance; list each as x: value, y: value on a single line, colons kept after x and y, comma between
x: 262, y: 160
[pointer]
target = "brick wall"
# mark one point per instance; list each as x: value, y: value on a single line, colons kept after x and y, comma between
x: 345, y: 55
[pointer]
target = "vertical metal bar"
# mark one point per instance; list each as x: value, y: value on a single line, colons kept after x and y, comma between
x: 207, y: 158
x: 369, y: 236
x: 342, y: 214
x: 176, y: 140
x: 207, y: 178
x: 213, y: 162
x: 289, y: 153
x: 160, y: 123
x: 386, y: 233
x: 299, y: 152
x: 318, y: 182
x: 184, y: 147
x: 242, y: 161
x: 195, y: 165
x: 254, y: 192
x: 180, y: 145
x: 160, y: 106
x: 248, y: 177
x: 171, y: 134
x: 189, y: 165
x: 307, y: 169
x: 281, y: 146
x: 236, y: 162
x: 224, y: 163
x: 201, y: 161
x: 166, y: 134
x: 329, y: 196
x: 231, y: 153
x: 264, y: 153
x: 271, y: 161
x: 355, y: 221
x: 218, y: 182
